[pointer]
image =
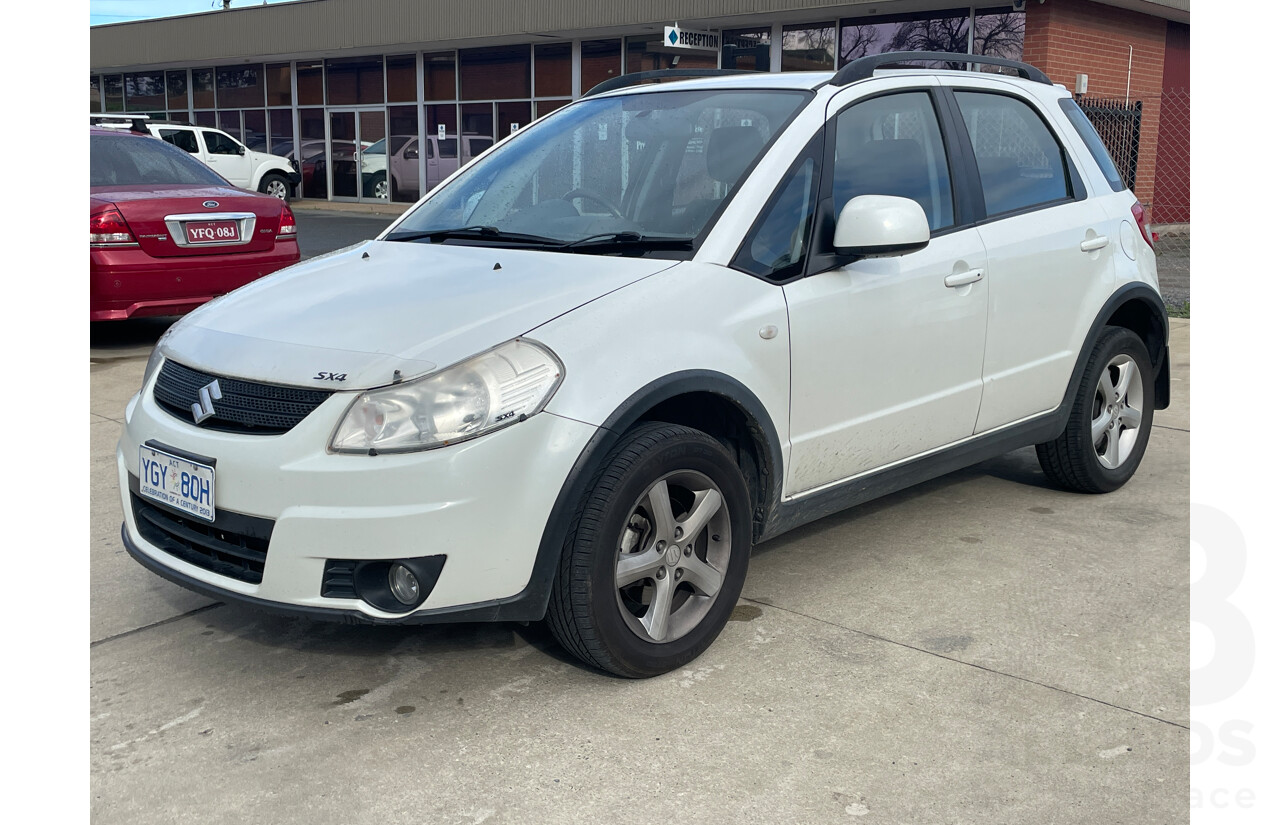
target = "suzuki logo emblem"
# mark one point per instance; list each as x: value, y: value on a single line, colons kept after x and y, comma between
x: 208, y: 394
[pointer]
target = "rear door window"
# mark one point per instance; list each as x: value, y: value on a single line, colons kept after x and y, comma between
x: 184, y: 139
x: 1020, y: 162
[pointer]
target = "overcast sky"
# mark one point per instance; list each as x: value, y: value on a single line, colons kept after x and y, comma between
x: 117, y: 11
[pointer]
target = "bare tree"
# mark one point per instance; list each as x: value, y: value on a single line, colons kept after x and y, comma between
x: 856, y: 41
x: 999, y: 34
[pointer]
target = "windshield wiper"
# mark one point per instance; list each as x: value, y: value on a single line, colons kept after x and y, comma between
x: 611, y: 241
x: 478, y: 232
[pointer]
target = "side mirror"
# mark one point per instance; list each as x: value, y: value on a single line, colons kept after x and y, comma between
x: 872, y: 226
x: 239, y: 149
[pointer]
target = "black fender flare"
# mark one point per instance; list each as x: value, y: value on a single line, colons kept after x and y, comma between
x: 537, y: 592
x: 1160, y: 348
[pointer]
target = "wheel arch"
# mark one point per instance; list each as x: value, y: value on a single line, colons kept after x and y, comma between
x: 1139, y: 308
x: 705, y: 400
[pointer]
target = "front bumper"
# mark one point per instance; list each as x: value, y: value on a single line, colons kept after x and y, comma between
x: 483, y: 503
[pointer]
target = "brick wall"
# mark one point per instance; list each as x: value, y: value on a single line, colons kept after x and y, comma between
x: 1068, y: 37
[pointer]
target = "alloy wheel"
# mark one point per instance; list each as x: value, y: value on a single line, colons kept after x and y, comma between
x: 672, y: 556
x: 1117, y: 411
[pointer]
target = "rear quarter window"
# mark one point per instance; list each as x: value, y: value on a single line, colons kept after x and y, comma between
x: 1093, y: 141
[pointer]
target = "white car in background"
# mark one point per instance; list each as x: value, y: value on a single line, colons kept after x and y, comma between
x: 665, y: 323
x: 241, y: 166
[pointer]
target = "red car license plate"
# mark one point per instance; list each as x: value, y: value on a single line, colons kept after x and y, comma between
x: 199, y: 232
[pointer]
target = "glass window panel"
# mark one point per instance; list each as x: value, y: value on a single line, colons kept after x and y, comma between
x: 240, y: 86
x: 776, y: 246
x: 144, y: 91
x: 552, y: 69
x: 229, y: 122
x: 440, y: 154
x: 440, y: 76
x: 207, y: 119
x: 279, y: 84
x: 892, y: 145
x: 176, y: 89
x: 342, y: 154
x: 402, y: 80
x: 1020, y: 162
x: 311, y: 152
x: 809, y: 48
x: 601, y: 60
x: 1000, y: 34
x: 113, y: 92
x: 643, y: 55
x: 281, y: 122
x: 542, y: 108
x: 219, y: 144
x: 202, y: 88
x: 95, y: 93
x: 354, y: 80
x: 311, y: 84
x: 477, y: 119
x: 184, y: 139
x: 495, y: 73
x: 404, y: 148
x: 745, y: 49
x: 512, y: 116
x: 255, y: 129
x: 944, y: 31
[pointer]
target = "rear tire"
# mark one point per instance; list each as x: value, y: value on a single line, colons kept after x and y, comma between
x: 277, y: 186
x: 656, y: 556
x: 1110, y: 420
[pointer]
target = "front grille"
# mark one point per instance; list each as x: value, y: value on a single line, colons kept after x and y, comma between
x: 232, y: 545
x: 245, y: 406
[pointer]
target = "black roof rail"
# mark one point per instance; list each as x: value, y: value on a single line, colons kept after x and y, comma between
x: 635, y: 78
x: 864, y: 67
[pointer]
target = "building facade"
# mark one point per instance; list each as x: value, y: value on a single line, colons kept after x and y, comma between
x: 381, y: 99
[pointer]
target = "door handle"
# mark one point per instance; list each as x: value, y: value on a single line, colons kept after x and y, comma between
x: 963, y: 278
x: 1094, y: 244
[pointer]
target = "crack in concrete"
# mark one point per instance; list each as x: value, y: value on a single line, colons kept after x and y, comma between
x: 969, y: 664
x: 160, y: 623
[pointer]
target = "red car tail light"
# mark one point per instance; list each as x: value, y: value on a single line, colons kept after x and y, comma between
x: 1140, y: 216
x: 288, y: 226
x: 108, y: 228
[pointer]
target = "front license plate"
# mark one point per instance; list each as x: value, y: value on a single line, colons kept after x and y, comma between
x: 199, y: 232
x: 177, y: 482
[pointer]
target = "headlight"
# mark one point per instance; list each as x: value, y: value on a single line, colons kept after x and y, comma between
x: 491, y: 391
x: 153, y: 363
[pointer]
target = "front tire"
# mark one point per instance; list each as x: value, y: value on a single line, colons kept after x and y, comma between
x: 276, y: 186
x: 1110, y: 420
x: 657, y: 556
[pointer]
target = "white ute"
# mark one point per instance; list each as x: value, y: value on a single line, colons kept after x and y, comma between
x: 584, y: 376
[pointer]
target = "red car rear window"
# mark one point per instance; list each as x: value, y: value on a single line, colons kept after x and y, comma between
x: 124, y: 160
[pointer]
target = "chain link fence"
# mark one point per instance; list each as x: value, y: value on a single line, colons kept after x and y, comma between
x: 1150, y: 141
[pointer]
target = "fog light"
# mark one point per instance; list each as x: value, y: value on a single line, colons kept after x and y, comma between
x: 404, y: 585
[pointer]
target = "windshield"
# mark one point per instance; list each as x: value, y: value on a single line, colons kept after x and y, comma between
x: 655, y: 165
x: 121, y: 160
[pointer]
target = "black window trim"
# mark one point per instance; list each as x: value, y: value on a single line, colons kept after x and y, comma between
x: 1076, y: 186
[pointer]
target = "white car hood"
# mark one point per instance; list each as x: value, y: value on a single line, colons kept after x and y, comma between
x: 377, y: 307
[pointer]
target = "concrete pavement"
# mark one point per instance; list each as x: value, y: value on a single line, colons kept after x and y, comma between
x: 978, y: 649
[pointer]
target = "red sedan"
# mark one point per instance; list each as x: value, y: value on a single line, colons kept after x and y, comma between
x: 167, y: 234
